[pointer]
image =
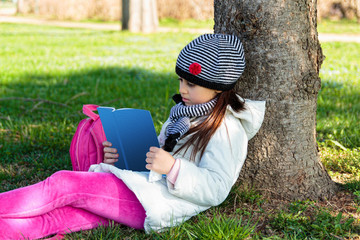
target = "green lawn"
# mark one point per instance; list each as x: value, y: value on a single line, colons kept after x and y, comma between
x: 187, y: 23
x: 48, y: 73
x: 339, y: 98
x: 344, y: 26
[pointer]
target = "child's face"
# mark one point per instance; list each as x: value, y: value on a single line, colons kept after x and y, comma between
x: 194, y: 94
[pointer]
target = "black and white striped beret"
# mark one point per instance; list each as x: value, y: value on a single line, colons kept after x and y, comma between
x: 214, y: 61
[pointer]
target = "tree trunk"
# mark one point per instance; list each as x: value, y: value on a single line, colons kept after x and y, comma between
x: 139, y: 16
x: 20, y: 6
x: 357, y: 10
x: 283, y: 58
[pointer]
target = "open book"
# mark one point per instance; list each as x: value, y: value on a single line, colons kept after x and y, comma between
x: 131, y: 132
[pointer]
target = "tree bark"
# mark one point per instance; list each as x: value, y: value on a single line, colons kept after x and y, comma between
x: 20, y: 6
x: 139, y: 16
x: 283, y: 58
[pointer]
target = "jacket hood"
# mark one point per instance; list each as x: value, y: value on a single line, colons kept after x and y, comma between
x: 251, y: 117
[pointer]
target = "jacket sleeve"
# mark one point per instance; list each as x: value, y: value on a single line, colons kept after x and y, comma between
x: 210, y: 182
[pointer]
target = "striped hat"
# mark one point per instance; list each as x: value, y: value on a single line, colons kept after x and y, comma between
x: 214, y: 61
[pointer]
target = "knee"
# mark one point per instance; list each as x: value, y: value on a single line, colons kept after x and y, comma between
x: 61, y: 179
x: 63, y: 174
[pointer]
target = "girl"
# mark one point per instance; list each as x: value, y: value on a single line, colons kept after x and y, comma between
x: 203, y: 148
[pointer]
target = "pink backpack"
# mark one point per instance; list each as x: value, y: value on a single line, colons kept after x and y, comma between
x: 86, y: 146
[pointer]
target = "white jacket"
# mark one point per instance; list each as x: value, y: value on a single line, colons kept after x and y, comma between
x: 200, y: 184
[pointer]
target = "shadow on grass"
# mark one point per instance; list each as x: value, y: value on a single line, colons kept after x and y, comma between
x: 129, y: 87
x: 40, y: 113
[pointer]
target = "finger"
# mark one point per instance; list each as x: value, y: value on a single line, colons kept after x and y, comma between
x: 148, y: 160
x: 111, y: 155
x: 149, y: 154
x: 148, y: 166
x: 110, y: 160
x: 153, y: 149
x: 107, y: 144
x: 110, y: 150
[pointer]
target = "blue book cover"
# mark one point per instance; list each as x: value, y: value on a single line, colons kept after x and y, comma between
x: 132, y: 133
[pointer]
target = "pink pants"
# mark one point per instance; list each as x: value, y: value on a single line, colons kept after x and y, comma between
x: 68, y: 201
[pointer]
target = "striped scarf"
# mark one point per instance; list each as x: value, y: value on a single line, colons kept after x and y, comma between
x: 180, y: 116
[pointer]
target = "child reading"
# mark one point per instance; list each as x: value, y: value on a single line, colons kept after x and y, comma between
x: 203, y: 146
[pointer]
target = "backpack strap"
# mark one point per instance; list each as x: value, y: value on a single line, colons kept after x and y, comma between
x: 89, y: 109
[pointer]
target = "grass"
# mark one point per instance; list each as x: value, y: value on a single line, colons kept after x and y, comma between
x: 187, y: 23
x: 314, y: 224
x: 339, y: 98
x: 48, y: 73
x: 344, y: 26
x: 339, y: 111
x: 71, y: 68
x: 169, y: 23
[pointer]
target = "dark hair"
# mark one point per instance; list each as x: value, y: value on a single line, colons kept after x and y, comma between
x: 205, y: 130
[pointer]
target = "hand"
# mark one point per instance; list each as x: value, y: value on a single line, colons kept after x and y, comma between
x: 110, y: 154
x: 159, y: 160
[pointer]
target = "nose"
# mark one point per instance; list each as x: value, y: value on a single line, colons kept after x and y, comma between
x: 182, y: 88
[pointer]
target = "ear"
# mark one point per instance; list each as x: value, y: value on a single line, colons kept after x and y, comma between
x: 217, y: 91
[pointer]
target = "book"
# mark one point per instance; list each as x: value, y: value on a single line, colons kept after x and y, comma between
x: 131, y: 132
